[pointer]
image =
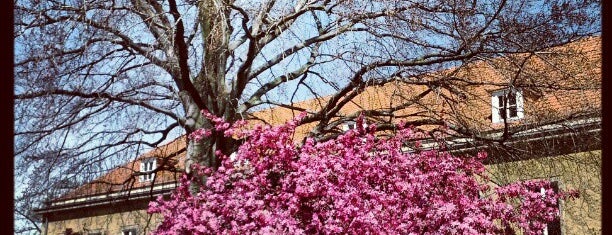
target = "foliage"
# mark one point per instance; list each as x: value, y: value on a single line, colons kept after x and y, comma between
x: 356, y: 184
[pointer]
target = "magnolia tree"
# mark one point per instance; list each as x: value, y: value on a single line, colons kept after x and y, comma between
x: 357, y: 183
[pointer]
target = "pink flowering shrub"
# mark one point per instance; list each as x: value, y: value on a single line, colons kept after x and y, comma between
x: 356, y: 184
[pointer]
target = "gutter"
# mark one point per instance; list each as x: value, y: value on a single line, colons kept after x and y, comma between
x: 528, y: 139
x: 587, y: 126
x: 550, y: 131
x: 90, y: 201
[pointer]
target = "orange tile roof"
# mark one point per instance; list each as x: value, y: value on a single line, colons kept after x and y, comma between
x: 123, y: 178
x: 575, y: 67
x: 472, y: 111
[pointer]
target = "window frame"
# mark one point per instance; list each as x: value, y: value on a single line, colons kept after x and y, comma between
x: 130, y: 231
x: 352, y: 125
x: 147, y: 165
x: 555, y: 184
x: 349, y: 125
x: 497, y: 115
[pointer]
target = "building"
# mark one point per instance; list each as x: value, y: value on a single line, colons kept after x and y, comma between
x: 538, y: 115
x: 116, y: 202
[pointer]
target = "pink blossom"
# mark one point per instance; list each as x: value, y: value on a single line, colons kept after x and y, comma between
x: 356, y: 184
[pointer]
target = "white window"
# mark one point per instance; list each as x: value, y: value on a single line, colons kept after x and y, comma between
x: 131, y: 231
x: 554, y: 227
x: 350, y: 125
x: 507, y: 104
x: 147, y: 165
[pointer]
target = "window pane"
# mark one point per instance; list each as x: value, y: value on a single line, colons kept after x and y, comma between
x: 129, y: 232
x: 501, y: 101
x: 512, y: 112
x: 501, y: 110
x: 508, y: 103
x: 511, y: 98
x: 554, y: 227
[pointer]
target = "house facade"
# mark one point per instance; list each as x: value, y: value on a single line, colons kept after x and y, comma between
x: 117, y: 202
x: 539, y: 120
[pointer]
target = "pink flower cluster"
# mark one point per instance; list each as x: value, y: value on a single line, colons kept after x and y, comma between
x: 356, y: 184
x: 220, y: 126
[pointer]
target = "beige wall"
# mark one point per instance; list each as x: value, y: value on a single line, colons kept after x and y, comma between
x: 108, y: 223
x: 579, y: 171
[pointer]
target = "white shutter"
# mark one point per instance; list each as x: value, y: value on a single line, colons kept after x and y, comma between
x: 142, y: 169
x: 519, y: 104
x: 153, y: 166
x: 543, y: 193
x: 495, y: 109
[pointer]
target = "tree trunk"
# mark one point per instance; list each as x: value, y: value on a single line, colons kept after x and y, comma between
x: 210, y: 83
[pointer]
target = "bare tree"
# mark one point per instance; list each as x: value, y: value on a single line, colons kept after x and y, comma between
x: 99, y: 81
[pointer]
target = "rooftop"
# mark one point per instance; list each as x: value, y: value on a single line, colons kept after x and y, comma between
x: 559, y: 85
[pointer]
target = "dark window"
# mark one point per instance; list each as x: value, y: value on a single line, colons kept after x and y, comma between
x: 131, y: 231
x: 502, y: 111
x: 69, y: 231
x: 554, y: 227
x: 511, y: 106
